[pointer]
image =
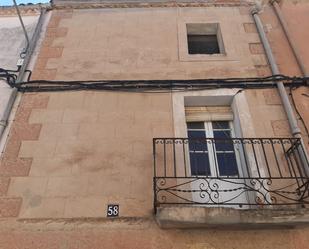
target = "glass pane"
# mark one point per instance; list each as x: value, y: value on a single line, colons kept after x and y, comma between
x: 197, y: 140
x: 199, y: 164
x: 222, y: 134
x: 227, y: 164
x: 220, y: 125
x: 223, y: 142
x: 203, y: 44
x: 195, y: 125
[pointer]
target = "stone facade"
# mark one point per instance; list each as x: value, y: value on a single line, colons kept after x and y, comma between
x: 69, y: 154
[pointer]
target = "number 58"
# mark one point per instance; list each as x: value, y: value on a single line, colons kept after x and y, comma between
x: 112, y: 210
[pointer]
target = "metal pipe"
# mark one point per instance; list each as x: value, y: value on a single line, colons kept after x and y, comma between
x: 275, y: 70
x: 22, y: 25
x: 293, y: 45
x: 13, y: 94
x: 283, y: 95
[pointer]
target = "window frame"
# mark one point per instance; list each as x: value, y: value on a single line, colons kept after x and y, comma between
x: 228, y: 52
x: 237, y: 101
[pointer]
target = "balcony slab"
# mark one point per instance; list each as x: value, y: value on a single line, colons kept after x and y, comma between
x: 225, y: 218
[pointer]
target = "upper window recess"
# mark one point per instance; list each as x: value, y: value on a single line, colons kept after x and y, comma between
x: 204, y: 38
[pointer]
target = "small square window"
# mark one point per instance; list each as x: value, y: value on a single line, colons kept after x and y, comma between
x: 204, y: 38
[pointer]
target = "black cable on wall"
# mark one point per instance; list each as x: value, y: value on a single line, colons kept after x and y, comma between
x: 151, y: 85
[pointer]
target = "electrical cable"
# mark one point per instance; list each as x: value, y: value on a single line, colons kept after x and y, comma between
x: 152, y: 86
x: 298, y: 113
x: 9, y: 77
x: 13, y: 71
x: 8, y: 73
x: 29, y: 74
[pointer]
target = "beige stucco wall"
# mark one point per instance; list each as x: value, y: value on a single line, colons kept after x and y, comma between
x: 88, y: 141
x: 147, y: 44
x: 95, y: 148
x: 83, y: 150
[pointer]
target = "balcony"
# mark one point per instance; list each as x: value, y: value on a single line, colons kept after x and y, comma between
x: 239, y: 181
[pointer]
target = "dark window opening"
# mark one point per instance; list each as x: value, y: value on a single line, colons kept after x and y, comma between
x: 203, y: 44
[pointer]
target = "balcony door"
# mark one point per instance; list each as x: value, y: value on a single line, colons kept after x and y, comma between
x: 214, y: 157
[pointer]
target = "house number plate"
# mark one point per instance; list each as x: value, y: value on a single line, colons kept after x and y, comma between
x: 112, y: 210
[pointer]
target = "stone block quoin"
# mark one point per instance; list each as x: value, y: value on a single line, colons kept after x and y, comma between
x: 10, y: 164
x: 48, y: 50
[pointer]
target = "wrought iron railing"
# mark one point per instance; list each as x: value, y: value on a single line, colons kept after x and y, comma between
x: 268, y: 172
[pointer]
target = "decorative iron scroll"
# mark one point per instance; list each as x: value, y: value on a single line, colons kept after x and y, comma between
x: 219, y: 191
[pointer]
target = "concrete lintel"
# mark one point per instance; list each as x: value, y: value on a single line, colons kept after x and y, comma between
x: 218, y: 217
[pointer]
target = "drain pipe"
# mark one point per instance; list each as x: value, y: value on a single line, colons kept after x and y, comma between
x: 13, y: 94
x: 275, y: 70
x: 285, y: 28
x: 283, y: 95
